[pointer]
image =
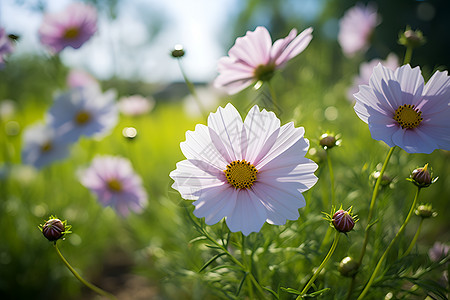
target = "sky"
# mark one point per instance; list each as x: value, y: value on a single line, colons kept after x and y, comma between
x: 125, y: 47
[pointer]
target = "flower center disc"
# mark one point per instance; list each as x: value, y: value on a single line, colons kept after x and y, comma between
x: 71, y: 33
x: 241, y: 174
x: 264, y: 72
x: 82, y: 117
x: 408, y: 116
x: 114, y: 185
x: 46, y: 147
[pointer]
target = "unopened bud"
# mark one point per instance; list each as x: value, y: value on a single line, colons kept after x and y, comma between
x: 425, y: 211
x: 411, y: 38
x: 348, y: 267
x: 178, y: 51
x: 328, y: 141
x: 53, y: 229
x: 343, y: 221
x: 421, y: 177
x: 385, y: 180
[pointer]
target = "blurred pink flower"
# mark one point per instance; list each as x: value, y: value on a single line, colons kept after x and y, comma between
x: 438, y: 251
x: 115, y: 183
x: 254, y: 58
x: 248, y: 172
x: 80, y: 79
x: 6, y: 46
x: 401, y: 111
x: 365, y: 71
x: 69, y: 28
x: 356, y: 27
x: 135, y: 105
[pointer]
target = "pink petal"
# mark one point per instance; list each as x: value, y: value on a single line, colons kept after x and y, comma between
x: 215, y: 203
x: 411, y: 83
x: 295, y: 47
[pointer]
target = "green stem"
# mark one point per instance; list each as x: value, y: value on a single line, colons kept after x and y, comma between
x: 372, y: 205
x: 325, y: 260
x: 408, y: 55
x: 380, y: 262
x: 89, y: 285
x: 330, y: 169
x: 369, y: 217
x: 414, y: 240
x: 273, y: 96
x: 191, y: 88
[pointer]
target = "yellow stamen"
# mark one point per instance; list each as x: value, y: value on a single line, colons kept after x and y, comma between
x: 114, y: 185
x: 82, y: 117
x: 241, y: 174
x: 408, y: 116
x: 71, y: 33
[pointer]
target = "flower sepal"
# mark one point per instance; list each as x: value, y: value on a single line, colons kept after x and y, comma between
x: 422, y: 177
x: 55, y: 229
x: 342, y: 220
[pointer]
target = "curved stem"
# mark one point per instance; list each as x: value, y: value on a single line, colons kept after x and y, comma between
x: 75, y: 273
x: 330, y: 169
x: 372, y: 204
x: 191, y: 88
x: 325, y: 260
x: 414, y: 240
x: 369, y: 217
x: 380, y: 262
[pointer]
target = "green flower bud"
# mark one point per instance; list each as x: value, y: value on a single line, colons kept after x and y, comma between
x: 425, y: 211
x: 348, y: 267
x: 178, y: 51
x: 421, y: 177
x: 328, y: 141
x: 411, y: 38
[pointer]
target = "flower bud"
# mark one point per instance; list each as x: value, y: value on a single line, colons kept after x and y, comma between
x: 421, y: 177
x: 385, y: 180
x: 425, y: 211
x: 129, y: 133
x: 178, y: 51
x: 343, y: 221
x: 53, y: 229
x: 411, y: 38
x: 348, y: 267
x: 328, y: 141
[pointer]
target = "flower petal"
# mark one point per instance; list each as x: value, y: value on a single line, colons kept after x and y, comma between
x: 253, y: 48
x: 295, y: 47
x: 411, y: 82
x: 215, y: 203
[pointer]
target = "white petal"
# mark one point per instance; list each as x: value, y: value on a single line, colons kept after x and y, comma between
x: 412, y: 141
x: 411, y: 82
x: 215, y: 203
x: 248, y: 215
x: 386, y: 87
x: 228, y: 125
x: 259, y: 127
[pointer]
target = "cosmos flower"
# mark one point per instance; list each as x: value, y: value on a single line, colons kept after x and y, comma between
x: 83, y: 111
x: 6, y: 46
x: 113, y: 180
x: 438, y: 251
x: 42, y: 146
x: 401, y: 111
x: 356, y: 27
x: 69, y: 28
x: 81, y: 79
x: 135, y: 105
x: 254, y: 58
x: 247, y: 172
x: 366, y: 70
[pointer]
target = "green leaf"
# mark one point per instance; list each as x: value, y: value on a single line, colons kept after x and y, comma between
x: 291, y: 291
x: 241, y: 284
x: 211, y: 261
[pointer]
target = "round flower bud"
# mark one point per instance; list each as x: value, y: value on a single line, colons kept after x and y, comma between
x: 129, y: 133
x: 421, y: 177
x: 425, y: 211
x: 348, y: 267
x: 328, y: 141
x: 53, y: 229
x: 385, y: 180
x: 178, y: 51
x: 411, y: 38
x: 343, y: 221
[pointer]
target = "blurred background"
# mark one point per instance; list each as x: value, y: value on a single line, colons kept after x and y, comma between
x: 148, y: 255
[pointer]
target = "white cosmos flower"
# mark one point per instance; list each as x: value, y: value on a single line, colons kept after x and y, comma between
x: 247, y: 172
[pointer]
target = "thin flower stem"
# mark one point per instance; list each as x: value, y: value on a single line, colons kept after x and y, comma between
x: 330, y: 169
x: 75, y: 273
x: 380, y: 262
x: 325, y: 260
x: 414, y: 240
x: 372, y: 204
x: 408, y: 55
x: 273, y: 96
x: 369, y: 217
x: 191, y: 88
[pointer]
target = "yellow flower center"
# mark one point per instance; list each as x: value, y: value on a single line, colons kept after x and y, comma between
x: 114, y: 185
x: 47, y: 146
x: 71, y: 33
x: 408, y: 116
x: 241, y: 174
x: 82, y: 117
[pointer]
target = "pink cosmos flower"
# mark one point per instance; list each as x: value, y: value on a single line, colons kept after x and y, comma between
x: 69, y: 28
x: 402, y: 111
x: 248, y: 172
x: 366, y: 70
x: 81, y: 79
x: 6, y: 46
x: 438, y: 251
x: 115, y: 183
x: 135, y: 105
x: 254, y: 58
x: 356, y: 27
